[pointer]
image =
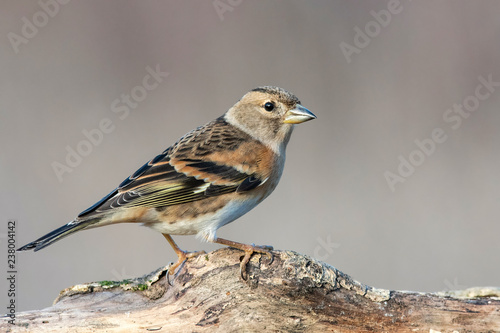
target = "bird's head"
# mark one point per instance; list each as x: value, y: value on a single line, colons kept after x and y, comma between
x: 269, y: 114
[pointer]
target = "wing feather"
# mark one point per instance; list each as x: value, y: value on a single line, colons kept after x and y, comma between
x: 183, y: 173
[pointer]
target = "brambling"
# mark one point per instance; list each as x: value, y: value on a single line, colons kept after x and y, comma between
x: 207, y: 179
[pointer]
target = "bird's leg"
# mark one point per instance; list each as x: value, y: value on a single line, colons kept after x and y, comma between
x: 182, y: 255
x: 249, y: 250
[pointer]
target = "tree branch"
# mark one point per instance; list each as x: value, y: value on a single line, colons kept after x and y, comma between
x: 295, y: 293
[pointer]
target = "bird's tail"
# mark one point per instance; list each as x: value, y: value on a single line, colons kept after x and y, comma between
x: 56, y: 235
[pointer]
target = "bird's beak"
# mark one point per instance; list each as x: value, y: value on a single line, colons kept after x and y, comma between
x: 298, y: 115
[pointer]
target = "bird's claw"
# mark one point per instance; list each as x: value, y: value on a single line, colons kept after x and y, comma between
x: 183, y: 257
x: 269, y: 252
x: 170, y: 272
x: 251, y: 249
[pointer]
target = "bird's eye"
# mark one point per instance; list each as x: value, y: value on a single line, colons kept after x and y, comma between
x: 269, y: 106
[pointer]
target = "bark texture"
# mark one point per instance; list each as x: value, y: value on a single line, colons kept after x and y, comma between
x: 293, y: 294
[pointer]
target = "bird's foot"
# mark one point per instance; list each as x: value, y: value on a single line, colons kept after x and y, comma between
x: 183, y: 257
x: 249, y: 250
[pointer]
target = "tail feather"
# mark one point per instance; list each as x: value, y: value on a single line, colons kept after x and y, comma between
x: 56, y: 235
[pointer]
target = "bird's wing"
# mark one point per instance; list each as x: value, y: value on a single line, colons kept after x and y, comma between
x: 189, y: 170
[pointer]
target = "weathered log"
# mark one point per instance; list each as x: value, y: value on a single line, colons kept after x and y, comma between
x: 292, y: 294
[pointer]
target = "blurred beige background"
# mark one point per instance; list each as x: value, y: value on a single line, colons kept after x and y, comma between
x: 437, y: 230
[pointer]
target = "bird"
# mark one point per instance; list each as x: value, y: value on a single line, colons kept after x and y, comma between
x: 211, y: 176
